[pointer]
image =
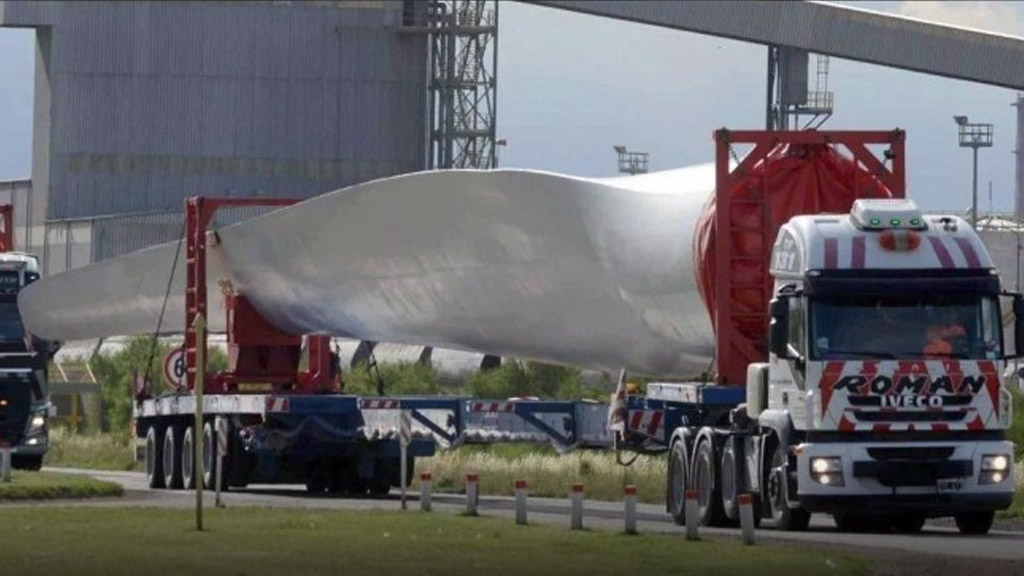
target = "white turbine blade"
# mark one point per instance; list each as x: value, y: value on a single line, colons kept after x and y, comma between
x: 597, y: 273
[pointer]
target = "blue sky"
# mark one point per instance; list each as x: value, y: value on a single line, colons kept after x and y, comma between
x: 571, y: 86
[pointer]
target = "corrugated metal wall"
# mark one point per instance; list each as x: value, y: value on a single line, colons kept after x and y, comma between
x: 155, y: 101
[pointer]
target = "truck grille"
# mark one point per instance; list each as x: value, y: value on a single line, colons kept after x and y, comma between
x: 912, y: 454
x: 15, y: 401
x: 896, y: 416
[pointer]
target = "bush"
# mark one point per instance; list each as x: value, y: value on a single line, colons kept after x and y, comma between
x: 405, y: 378
x: 515, y: 378
x: 116, y: 375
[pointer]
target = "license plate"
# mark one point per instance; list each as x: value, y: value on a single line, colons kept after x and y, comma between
x: 950, y: 485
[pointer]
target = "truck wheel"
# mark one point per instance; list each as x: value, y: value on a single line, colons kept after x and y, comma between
x: 974, y: 522
x: 172, y: 457
x: 709, y: 499
x: 210, y: 459
x: 154, y: 459
x: 188, y: 459
x: 728, y: 488
x: 786, y: 518
x: 319, y: 476
x: 30, y: 462
x: 677, y: 483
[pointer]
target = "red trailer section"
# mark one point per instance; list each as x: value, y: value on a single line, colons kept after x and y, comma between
x: 786, y: 174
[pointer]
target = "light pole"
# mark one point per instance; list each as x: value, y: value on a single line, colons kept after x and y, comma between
x: 498, y: 145
x: 974, y: 136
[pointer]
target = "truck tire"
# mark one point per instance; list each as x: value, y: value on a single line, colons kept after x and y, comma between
x: 210, y: 459
x: 677, y: 481
x: 188, y: 459
x: 320, y: 477
x: 785, y: 518
x: 727, y: 486
x: 975, y: 523
x: 172, y: 458
x: 154, y: 459
x: 709, y: 497
x: 30, y: 462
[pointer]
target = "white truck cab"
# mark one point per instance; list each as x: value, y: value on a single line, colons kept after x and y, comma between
x: 883, y: 378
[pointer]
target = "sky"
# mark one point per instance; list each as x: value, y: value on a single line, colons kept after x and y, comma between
x: 571, y: 86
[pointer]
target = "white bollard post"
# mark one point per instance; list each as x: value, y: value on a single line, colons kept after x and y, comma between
x: 425, y: 491
x: 747, y: 517
x: 5, y: 463
x: 471, y: 493
x: 692, y: 511
x: 520, y: 502
x: 576, y: 520
x: 630, y: 509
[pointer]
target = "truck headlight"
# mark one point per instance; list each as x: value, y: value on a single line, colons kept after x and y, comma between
x: 827, y: 470
x: 36, y: 425
x: 995, y: 468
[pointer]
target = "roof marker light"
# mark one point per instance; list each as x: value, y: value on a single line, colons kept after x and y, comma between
x: 895, y: 221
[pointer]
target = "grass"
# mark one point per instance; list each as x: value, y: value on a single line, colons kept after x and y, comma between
x: 546, y: 474
x: 247, y: 541
x: 93, y: 451
x: 50, y: 486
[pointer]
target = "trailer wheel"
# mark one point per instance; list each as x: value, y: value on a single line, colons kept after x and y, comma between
x: 154, y: 459
x: 210, y: 441
x: 677, y: 483
x: 710, y: 499
x: 786, y: 518
x: 172, y: 458
x: 188, y: 459
x: 974, y: 522
x: 319, y: 476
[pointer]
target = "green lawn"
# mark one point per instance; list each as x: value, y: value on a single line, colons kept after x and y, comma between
x: 48, y: 485
x: 264, y: 542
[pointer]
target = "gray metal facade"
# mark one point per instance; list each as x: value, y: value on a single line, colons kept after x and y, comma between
x: 834, y: 30
x: 140, y: 104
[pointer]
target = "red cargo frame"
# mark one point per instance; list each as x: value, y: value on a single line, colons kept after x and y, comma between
x: 734, y: 351
x: 259, y: 353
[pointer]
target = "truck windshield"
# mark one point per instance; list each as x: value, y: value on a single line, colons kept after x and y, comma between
x: 907, y: 326
x: 11, y: 329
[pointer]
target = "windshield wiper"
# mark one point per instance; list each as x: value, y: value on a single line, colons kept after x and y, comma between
x: 862, y: 353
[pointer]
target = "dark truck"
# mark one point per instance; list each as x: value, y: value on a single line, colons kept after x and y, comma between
x: 24, y: 396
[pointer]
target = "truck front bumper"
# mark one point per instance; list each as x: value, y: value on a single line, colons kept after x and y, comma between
x: 932, y: 478
x: 33, y: 445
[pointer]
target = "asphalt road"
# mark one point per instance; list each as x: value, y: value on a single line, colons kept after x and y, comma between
x: 933, y: 541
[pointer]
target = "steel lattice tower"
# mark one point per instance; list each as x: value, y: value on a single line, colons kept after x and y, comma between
x: 463, y: 83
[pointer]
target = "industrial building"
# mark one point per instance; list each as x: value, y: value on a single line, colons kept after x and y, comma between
x: 139, y: 105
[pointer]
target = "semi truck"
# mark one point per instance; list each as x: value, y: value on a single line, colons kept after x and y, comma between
x: 858, y: 364
x: 857, y: 346
x: 25, y: 405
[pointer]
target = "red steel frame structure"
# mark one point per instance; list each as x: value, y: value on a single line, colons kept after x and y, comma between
x: 258, y: 352
x: 734, y: 348
x: 7, y: 234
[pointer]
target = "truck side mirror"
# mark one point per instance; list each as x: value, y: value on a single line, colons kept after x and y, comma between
x: 779, y: 326
x: 1018, y: 326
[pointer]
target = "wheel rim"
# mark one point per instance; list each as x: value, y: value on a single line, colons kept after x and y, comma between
x: 187, y: 455
x: 169, y: 457
x: 208, y: 455
x: 703, y: 483
x: 728, y: 487
x: 150, y: 455
x: 677, y: 483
